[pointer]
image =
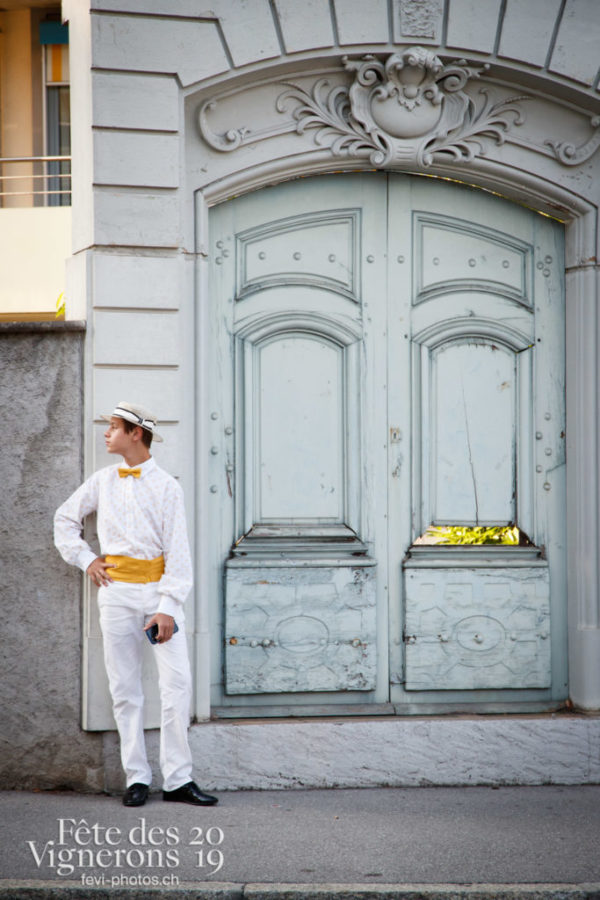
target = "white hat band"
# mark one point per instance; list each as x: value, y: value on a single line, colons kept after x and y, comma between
x: 150, y: 424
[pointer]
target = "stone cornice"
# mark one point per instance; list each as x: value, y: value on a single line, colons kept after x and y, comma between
x: 58, y: 327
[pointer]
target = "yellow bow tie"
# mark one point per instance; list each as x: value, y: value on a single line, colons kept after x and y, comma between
x: 123, y: 473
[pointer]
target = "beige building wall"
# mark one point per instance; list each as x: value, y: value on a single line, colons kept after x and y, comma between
x: 35, y: 239
x: 33, y: 274
x: 16, y: 113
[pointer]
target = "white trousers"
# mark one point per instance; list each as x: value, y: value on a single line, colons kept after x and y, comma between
x: 124, y: 610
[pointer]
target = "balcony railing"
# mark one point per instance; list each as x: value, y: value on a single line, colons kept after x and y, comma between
x: 35, y: 181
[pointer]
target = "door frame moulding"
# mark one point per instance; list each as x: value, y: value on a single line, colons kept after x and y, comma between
x: 517, y: 185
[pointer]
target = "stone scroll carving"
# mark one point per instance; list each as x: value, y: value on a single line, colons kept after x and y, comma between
x: 409, y: 107
x: 570, y: 155
x: 230, y: 140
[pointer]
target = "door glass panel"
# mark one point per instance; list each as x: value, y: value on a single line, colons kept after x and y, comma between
x: 474, y: 428
x: 299, y: 459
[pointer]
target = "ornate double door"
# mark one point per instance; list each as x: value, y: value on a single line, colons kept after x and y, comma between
x: 386, y: 354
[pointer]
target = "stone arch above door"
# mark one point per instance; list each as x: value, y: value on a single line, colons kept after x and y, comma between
x: 551, y: 40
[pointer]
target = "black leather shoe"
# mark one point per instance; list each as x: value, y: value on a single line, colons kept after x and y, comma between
x: 190, y: 793
x: 135, y: 795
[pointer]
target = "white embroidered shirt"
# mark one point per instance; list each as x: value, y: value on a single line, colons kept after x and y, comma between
x: 140, y: 517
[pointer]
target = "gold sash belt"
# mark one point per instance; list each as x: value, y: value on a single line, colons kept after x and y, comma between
x: 135, y: 571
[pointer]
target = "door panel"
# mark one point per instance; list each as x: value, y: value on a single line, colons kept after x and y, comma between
x: 453, y: 254
x: 473, y: 433
x: 299, y: 411
x: 306, y: 249
x: 300, y: 629
x: 303, y: 613
x: 385, y: 360
x: 484, y: 628
x: 481, y: 373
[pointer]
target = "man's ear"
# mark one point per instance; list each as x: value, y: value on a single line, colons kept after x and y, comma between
x: 137, y: 433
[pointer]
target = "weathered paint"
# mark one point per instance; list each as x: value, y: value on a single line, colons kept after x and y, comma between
x: 300, y: 629
x: 477, y: 628
x: 382, y: 342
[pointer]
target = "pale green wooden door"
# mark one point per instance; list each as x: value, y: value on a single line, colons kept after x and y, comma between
x: 385, y: 352
x: 477, y: 438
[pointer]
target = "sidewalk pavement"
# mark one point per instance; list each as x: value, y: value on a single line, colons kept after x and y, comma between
x: 428, y: 842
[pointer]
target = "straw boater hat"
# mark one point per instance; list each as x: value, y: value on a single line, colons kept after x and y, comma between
x: 136, y: 414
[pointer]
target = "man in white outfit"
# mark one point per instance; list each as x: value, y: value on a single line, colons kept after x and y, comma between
x: 144, y: 576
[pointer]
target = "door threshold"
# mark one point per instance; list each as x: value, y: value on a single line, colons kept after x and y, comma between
x: 377, y: 710
x: 302, y: 712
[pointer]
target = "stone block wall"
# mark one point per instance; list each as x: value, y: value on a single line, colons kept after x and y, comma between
x: 42, y: 744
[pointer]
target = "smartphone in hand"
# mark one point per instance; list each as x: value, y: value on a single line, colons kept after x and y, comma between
x: 152, y: 633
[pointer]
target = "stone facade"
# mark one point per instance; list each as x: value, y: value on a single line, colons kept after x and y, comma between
x: 176, y: 110
x: 40, y: 405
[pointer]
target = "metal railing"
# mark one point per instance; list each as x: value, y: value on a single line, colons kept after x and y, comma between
x: 47, y: 183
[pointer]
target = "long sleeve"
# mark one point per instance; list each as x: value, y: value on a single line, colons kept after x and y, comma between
x: 68, y: 525
x: 177, y: 580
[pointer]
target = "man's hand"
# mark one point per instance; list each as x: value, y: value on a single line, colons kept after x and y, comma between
x: 165, y: 626
x: 97, y: 571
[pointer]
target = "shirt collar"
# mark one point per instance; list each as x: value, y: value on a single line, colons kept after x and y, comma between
x: 147, y: 466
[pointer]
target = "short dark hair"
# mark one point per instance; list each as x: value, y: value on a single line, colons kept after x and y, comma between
x: 146, y: 435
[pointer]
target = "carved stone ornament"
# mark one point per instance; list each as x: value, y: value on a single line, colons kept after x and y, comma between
x: 411, y: 106
x: 570, y: 155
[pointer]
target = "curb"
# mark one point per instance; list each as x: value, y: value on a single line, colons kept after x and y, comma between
x: 52, y: 890
x: 422, y: 891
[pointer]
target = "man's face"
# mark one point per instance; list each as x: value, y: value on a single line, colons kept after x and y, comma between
x: 117, y: 439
